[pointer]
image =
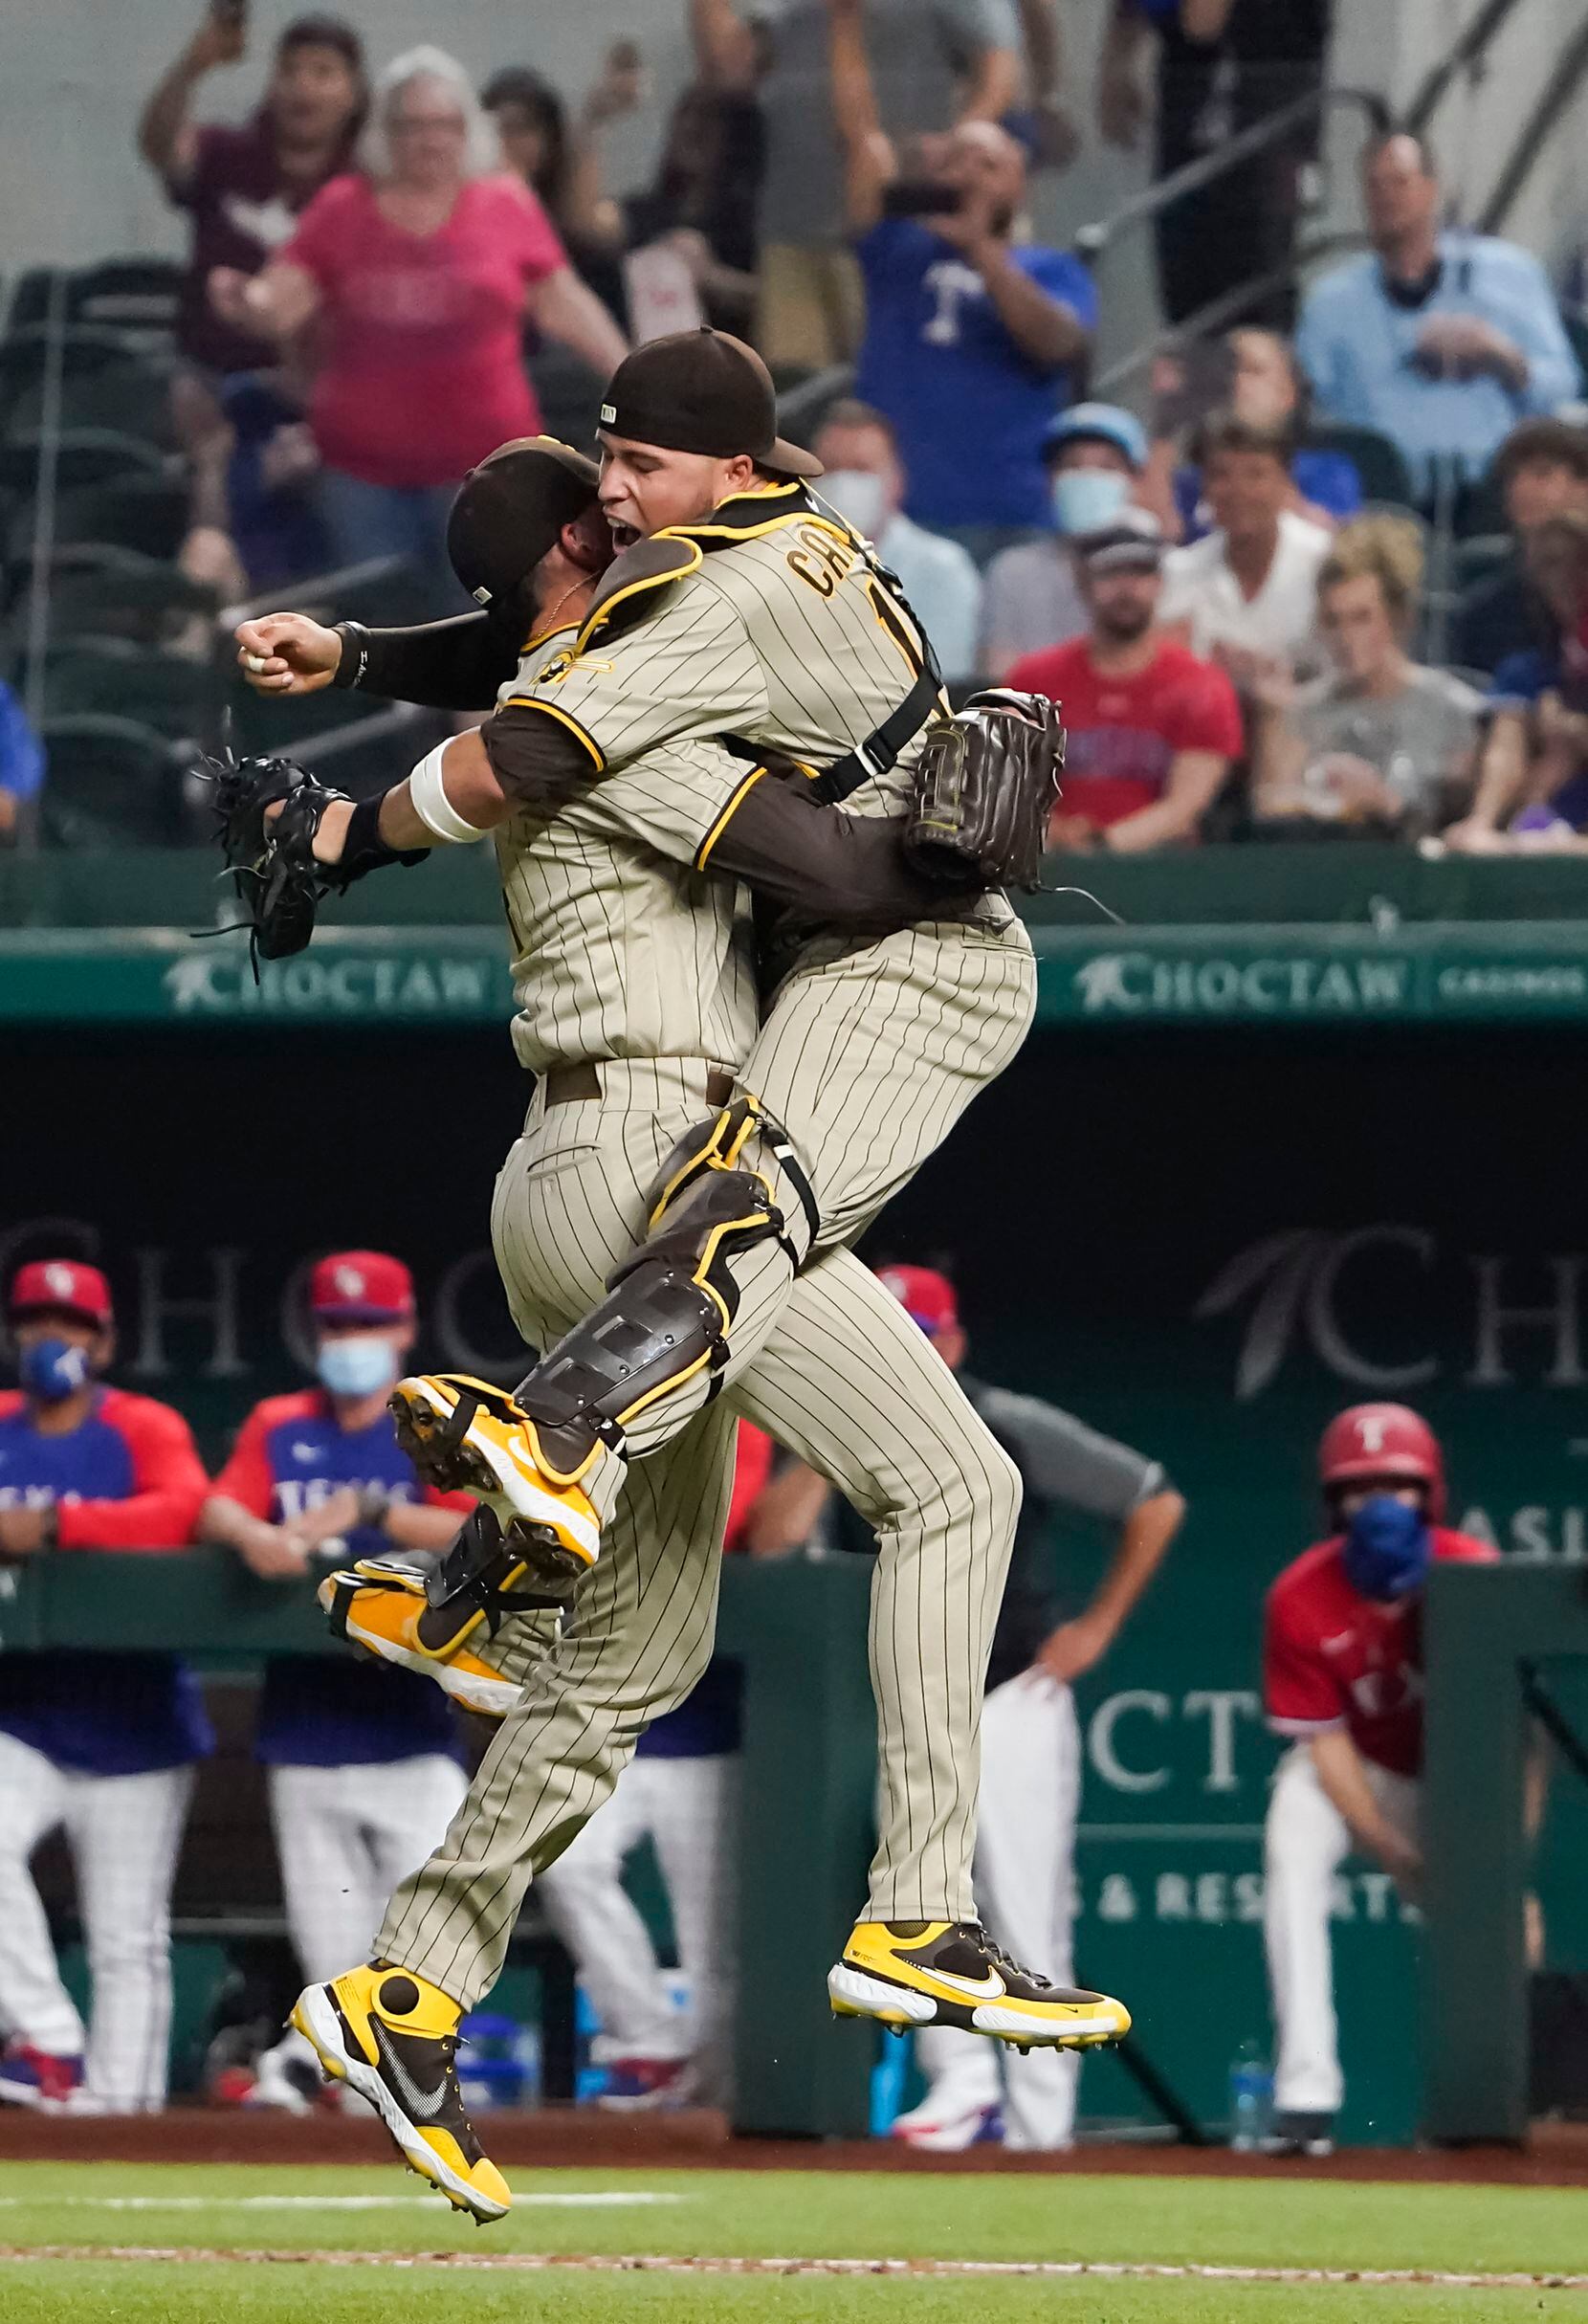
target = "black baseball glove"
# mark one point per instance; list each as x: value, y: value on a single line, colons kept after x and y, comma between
x: 987, y: 782
x: 278, y: 880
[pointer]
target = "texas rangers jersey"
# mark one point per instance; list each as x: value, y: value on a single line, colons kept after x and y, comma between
x: 323, y: 1710
x: 1333, y: 1658
x: 127, y: 1478
x: 621, y: 949
x: 770, y: 622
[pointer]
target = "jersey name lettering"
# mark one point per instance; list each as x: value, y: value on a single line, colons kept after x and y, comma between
x: 821, y: 561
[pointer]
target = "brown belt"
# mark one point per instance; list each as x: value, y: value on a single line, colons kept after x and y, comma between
x: 575, y: 1084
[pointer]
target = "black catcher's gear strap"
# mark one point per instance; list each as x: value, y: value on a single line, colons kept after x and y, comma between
x: 278, y: 879
x: 987, y: 782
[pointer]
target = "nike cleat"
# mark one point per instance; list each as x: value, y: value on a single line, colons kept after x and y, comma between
x: 393, y: 2038
x: 381, y: 1609
x: 463, y: 1435
x: 950, y: 1972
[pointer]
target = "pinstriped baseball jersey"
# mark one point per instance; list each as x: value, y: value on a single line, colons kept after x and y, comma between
x: 791, y: 641
x: 619, y: 948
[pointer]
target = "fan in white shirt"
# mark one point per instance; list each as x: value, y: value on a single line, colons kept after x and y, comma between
x: 1247, y: 592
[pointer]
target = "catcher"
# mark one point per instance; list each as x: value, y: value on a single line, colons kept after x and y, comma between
x: 572, y: 1193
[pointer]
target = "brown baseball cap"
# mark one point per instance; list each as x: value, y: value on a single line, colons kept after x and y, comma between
x: 510, y: 510
x: 702, y: 391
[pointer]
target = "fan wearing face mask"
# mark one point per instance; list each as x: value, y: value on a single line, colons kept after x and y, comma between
x: 99, y: 1746
x: 1095, y: 454
x: 1342, y: 1678
x: 362, y: 1763
x: 866, y: 483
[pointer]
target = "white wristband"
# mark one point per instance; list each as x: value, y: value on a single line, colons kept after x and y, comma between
x: 428, y: 791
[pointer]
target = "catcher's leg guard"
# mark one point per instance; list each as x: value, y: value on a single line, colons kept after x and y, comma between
x: 666, y: 1319
x: 730, y: 1185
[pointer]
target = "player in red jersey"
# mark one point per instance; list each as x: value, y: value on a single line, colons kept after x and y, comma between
x: 1342, y: 1674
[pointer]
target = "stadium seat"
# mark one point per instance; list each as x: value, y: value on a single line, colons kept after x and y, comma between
x: 68, y: 561
x: 138, y: 295
x: 132, y: 395
x: 1477, y: 557
x: 266, y: 723
x: 30, y: 296
x: 113, y: 677
x: 1378, y: 462
x: 84, y: 349
x: 145, y: 512
x: 84, y: 455
x: 111, y: 783
x: 143, y: 603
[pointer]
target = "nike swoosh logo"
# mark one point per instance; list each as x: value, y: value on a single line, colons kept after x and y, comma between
x: 989, y: 1988
x: 421, y: 2105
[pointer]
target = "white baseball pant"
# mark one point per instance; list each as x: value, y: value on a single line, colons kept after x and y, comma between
x: 125, y: 1832
x: 685, y: 1807
x: 1305, y: 1841
x: 1026, y: 1887
x: 344, y: 1837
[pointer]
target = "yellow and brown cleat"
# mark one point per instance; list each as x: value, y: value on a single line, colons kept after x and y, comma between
x: 463, y: 1435
x: 379, y: 1607
x: 393, y: 2038
x: 950, y: 1972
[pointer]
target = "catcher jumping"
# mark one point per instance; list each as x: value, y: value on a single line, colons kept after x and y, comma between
x: 742, y: 610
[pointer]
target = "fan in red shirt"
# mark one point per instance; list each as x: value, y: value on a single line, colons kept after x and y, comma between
x: 1343, y: 1675
x: 1150, y: 729
x: 416, y: 274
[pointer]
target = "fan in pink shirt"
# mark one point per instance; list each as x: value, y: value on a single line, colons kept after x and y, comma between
x: 411, y: 280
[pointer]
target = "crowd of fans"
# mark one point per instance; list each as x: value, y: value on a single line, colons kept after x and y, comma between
x: 390, y: 272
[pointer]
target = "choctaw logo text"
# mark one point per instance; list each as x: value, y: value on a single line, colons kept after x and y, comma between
x: 1373, y: 1307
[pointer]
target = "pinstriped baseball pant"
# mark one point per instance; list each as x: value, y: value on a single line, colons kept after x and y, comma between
x: 836, y: 1371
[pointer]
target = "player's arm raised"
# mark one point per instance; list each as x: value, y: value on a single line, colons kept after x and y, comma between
x: 456, y: 664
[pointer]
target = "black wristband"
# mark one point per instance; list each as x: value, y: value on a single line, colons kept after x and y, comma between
x: 354, y: 664
x: 364, y: 850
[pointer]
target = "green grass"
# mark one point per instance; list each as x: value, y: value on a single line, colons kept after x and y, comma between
x: 129, y: 2292
x: 1251, y: 2222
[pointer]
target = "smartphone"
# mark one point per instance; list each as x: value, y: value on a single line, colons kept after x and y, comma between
x: 920, y: 198
x: 234, y: 14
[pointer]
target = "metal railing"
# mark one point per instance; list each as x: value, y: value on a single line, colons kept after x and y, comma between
x: 1191, y: 177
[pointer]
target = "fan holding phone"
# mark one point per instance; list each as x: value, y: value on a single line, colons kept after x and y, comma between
x: 973, y: 337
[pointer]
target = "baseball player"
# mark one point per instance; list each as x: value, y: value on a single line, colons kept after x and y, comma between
x: 570, y: 1200
x: 1030, y: 1741
x: 363, y: 1772
x: 103, y: 1746
x: 1342, y: 1677
x: 680, y: 1791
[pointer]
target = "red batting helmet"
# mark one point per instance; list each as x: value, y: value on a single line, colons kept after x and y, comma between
x: 1371, y: 1440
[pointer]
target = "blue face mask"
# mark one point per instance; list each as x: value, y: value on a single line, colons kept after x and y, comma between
x: 53, y: 1369
x: 1087, y: 498
x: 1387, y: 1548
x: 359, y: 1366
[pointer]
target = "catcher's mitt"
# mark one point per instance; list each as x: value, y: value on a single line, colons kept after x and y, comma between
x: 987, y: 782
x: 278, y: 882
